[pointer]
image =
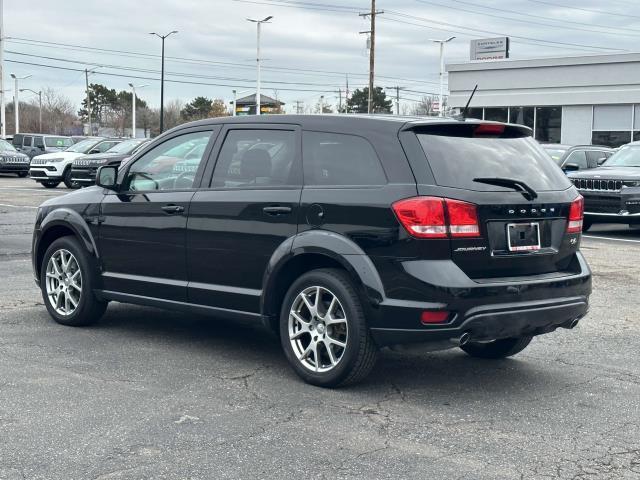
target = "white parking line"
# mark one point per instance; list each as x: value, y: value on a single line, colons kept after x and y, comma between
x: 25, y: 189
x: 611, y: 239
x: 16, y: 206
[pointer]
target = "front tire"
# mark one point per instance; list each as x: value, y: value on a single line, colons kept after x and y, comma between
x: 50, y: 184
x: 67, y: 180
x: 502, y: 348
x: 323, y: 330
x: 22, y: 174
x: 67, y: 283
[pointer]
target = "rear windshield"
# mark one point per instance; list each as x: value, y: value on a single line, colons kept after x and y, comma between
x: 456, y: 161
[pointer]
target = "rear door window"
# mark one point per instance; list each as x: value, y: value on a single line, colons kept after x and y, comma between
x: 334, y: 159
x: 39, y: 142
x: 595, y: 156
x: 456, y: 157
x: 27, y: 142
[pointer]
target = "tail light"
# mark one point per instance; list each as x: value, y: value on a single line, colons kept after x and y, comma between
x: 434, y: 217
x: 576, y: 215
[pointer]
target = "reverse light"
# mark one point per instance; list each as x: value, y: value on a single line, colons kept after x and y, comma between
x: 576, y: 215
x: 435, y: 217
x: 430, y: 317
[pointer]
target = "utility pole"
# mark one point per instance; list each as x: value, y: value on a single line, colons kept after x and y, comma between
x: 441, y: 99
x: 321, y: 104
x: 397, y: 89
x: 3, y: 114
x: 339, y: 100
x: 258, y: 73
x: 163, y: 38
x: 86, y: 78
x: 372, y: 51
x: 298, y: 106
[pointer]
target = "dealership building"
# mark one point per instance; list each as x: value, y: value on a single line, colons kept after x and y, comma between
x: 572, y: 100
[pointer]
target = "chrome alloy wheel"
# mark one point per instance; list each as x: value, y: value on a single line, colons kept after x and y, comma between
x: 318, y: 330
x: 63, y: 282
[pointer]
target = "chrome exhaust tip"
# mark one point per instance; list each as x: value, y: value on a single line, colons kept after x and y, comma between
x: 462, y: 339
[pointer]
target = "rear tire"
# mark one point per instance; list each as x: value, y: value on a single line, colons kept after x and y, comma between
x: 50, y: 184
x: 67, y: 283
x: 586, y: 225
x: 503, y: 348
x: 67, y: 180
x: 324, y: 332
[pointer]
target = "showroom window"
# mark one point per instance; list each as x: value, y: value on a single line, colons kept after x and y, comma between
x: 613, y: 124
x: 548, y: 124
x: 522, y: 116
x: 496, y: 114
x: 477, y: 113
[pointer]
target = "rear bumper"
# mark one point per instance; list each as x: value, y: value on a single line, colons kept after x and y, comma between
x: 487, y: 311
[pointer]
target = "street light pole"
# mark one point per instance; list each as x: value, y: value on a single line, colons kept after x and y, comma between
x: 162, y: 37
x: 258, y: 79
x: 16, y: 99
x: 3, y: 113
x: 442, y: 42
x: 40, y: 103
x: 133, y: 113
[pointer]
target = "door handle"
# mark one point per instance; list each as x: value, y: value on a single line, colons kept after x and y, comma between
x: 172, y: 209
x: 276, y: 210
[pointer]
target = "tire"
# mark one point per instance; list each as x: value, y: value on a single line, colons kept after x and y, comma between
x: 349, y: 362
x: 67, y: 179
x: 50, y: 184
x: 88, y: 309
x: 586, y: 225
x: 503, y: 348
x: 22, y: 174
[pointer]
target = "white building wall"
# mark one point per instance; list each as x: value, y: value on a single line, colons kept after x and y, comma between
x: 576, y: 124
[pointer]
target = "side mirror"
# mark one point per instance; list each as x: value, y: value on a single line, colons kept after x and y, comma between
x: 602, y: 160
x: 95, y: 150
x: 570, y: 167
x: 107, y: 177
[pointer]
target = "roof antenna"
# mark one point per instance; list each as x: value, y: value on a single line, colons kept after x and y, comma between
x: 463, y: 115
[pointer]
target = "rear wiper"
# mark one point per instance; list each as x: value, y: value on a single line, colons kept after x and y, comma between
x: 526, y: 191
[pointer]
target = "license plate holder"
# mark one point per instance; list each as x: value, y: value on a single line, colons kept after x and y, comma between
x: 523, y: 237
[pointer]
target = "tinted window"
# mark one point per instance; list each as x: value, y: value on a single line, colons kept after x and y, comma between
x: 612, y: 139
x: 159, y: 169
x: 17, y: 140
x: 496, y: 114
x: 336, y: 159
x: 39, y: 142
x: 577, y: 157
x: 27, y: 142
x: 522, y: 116
x: 625, y: 157
x: 456, y: 161
x: 255, y: 158
x: 104, y: 146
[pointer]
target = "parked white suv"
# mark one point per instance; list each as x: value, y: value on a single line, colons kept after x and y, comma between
x: 52, y: 168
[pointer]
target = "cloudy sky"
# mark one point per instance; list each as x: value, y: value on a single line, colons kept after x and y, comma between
x: 309, y: 48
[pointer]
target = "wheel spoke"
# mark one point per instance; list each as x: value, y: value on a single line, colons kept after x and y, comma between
x: 298, y: 318
x: 310, y: 306
x: 316, y: 359
x: 336, y: 342
x: 76, y: 286
x: 332, y: 357
x: 73, y: 302
x: 306, y: 352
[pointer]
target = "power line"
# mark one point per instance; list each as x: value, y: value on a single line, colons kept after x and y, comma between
x: 600, y: 12
x: 531, y: 22
x: 197, y: 61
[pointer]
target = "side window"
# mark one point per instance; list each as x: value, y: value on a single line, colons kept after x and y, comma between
x: 104, y: 146
x: 38, y: 142
x: 17, y: 140
x: 593, y: 156
x: 254, y: 158
x: 578, y: 158
x: 171, y: 165
x: 338, y: 159
x: 27, y: 142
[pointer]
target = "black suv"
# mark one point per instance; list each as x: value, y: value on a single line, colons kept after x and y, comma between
x: 612, y: 192
x: 341, y: 233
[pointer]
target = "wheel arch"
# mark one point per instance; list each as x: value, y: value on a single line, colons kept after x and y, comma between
x: 61, y: 223
x: 312, y: 250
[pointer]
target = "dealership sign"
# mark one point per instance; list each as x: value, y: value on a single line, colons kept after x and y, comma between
x: 490, y: 48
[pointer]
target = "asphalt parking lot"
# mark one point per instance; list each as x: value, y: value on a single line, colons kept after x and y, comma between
x: 154, y: 394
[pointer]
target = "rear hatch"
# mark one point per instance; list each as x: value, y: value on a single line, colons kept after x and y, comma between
x: 522, y: 199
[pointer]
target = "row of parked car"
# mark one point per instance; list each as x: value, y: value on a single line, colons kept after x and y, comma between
x: 51, y: 160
